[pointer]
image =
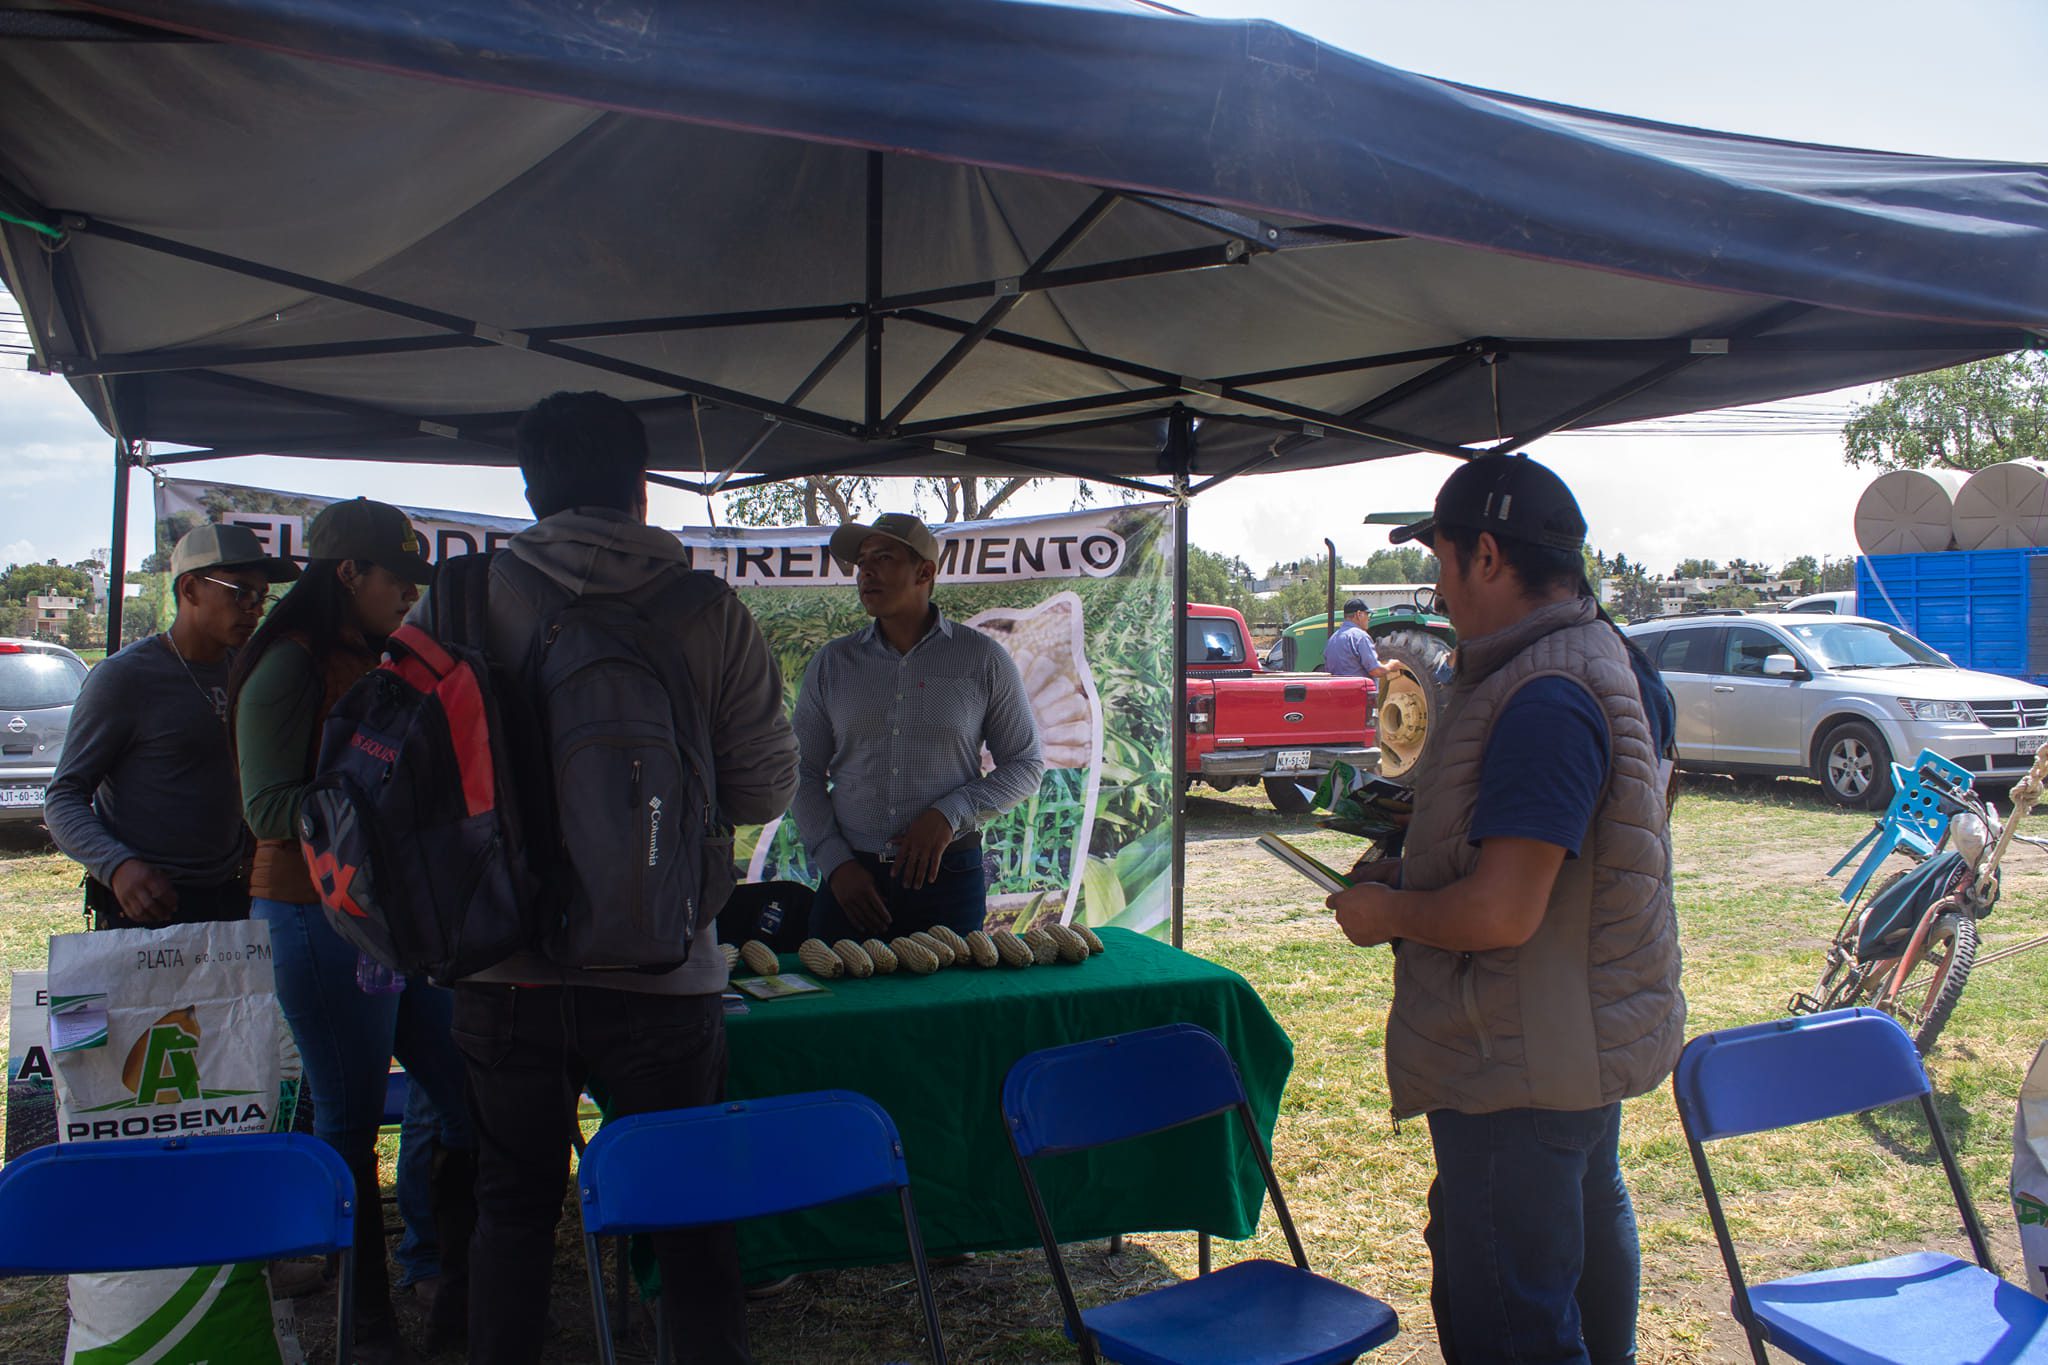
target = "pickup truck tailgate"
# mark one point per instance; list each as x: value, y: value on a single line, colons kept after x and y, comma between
x: 1267, y: 710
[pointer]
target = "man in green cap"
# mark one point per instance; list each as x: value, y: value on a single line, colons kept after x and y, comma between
x: 145, y: 795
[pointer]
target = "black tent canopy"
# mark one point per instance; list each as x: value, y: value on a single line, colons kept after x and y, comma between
x: 969, y: 236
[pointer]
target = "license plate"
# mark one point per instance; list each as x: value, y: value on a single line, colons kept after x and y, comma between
x: 1291, y: 760
x: 21, y: 796
x: 2028, y: 744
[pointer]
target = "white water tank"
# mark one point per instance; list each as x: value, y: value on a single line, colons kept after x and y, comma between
x: 2003, y: 507
x: 1908, y: 512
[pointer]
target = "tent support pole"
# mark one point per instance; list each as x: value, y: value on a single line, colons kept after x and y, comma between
x: 1180, y: 447
x: 871, y: 411
x: 117, y: 571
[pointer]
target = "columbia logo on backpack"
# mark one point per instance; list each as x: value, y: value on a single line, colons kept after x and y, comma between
x: 414, y: 823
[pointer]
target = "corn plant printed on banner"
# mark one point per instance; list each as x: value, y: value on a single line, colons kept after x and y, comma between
x: 1082, y: 601
x: 163, y: 1033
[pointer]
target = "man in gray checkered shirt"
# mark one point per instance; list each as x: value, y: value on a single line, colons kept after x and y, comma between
x: 891, y: 723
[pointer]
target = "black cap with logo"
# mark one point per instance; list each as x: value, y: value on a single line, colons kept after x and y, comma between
x: 376, y: 531
x: 1510, y: 495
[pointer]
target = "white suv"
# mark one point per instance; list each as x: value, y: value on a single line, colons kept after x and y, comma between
x: 1836, y: 697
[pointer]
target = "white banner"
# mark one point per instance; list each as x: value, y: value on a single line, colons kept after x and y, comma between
x: 1082, y: 601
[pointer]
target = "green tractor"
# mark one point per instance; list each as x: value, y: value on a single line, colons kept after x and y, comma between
x: 1414, y: 642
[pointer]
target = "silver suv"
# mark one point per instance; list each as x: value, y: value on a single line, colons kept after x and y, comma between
x: 1835, y: 697
x: 38, y: 683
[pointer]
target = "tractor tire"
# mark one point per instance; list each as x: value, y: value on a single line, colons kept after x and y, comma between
x: 1411, y: 696
x: 1288, y: 796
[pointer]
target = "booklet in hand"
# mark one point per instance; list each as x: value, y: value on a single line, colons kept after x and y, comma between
x: 1314, y: 869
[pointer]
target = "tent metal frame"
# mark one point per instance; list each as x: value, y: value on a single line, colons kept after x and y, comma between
x: 991, y: 438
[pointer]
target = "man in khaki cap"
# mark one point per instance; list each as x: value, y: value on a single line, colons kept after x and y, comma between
x: 890, y: 725
x: 145, y: 794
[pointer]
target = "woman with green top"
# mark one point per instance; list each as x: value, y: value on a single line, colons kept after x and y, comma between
x: 349, y: 1015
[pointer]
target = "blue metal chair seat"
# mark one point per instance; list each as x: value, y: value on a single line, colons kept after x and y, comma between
x: 1251, y: 1313
x: 1922, y: 1308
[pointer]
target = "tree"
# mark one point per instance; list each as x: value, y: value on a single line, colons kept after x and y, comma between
x: 1635, y: 597
x: 79, y: 630
x: 1223, y: 582
x: 1805, y: 568
x: 1696, y: 568
x: 820, y: 499
x: 1731, y: 595
x: 21, y: 581
x: 1963, y: 418
x: 1836, y: 575
x: 1401, y: 564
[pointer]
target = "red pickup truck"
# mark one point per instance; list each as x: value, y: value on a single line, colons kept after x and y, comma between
x: 1247, y: 723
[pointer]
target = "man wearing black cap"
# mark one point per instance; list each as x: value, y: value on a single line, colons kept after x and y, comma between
x: 1350, y: 652
x: 145, y: 795
x: 1536, y: 967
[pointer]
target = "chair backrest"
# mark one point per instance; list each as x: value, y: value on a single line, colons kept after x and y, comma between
x: 1082, y: 1095
x: 1791, y: 1071
x: 744, y: 1159
x: 148, y: 1204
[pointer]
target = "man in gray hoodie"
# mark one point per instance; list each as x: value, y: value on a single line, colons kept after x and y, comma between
x: 534, y: 1032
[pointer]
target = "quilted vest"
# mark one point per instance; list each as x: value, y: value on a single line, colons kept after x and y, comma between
x: 1589, y: 1010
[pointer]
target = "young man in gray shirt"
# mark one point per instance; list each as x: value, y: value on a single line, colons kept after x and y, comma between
x: 145, y: 795
x: 891, y: 723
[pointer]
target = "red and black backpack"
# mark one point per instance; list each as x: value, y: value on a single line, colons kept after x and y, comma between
x: 412, y: 827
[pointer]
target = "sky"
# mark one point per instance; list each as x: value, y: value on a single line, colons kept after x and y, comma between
x: 1963, y: 79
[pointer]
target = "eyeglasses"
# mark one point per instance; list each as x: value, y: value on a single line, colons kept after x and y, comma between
x: 245, y: 596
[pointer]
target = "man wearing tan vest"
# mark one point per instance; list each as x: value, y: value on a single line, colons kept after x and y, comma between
x: 1536, y: 954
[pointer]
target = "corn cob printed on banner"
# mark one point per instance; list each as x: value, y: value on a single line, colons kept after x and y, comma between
x: 1083, y: 601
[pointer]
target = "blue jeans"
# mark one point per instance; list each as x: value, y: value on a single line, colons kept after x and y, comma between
x: 1532, y: 1239
x: 347, y: 1039
x: 419, y: 1250
x: 957, y: 898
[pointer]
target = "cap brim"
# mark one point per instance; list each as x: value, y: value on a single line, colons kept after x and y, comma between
x: 273, y: 570
x: 412, y: 568
x: 845, y: 542
x: 1423, y: 531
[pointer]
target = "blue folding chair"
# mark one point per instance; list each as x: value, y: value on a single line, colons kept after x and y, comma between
x: 1923, y: 1308
x: 645, y: 1173
x: 69, y: 1208
x: 1259, y: 1312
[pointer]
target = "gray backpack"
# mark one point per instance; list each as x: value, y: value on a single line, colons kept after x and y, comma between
x: 642, y: 861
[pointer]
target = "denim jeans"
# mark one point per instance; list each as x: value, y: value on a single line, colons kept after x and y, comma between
x: 1532, y: 1238
x: 957, y: 898
x: 419, y: 1251
x: 530, y: 1052
x: 347, y: 1039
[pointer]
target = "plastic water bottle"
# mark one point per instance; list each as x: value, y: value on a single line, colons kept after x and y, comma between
x: 770, y: 922
x: 374, y: 978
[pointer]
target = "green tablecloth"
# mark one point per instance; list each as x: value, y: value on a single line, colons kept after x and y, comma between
x: 933, y: 1051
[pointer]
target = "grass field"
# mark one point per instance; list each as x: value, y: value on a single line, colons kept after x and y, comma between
x: 1755, y: 911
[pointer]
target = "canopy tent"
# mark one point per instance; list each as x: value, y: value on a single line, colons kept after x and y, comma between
x: 926, y: 236
x: 920, y: 236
